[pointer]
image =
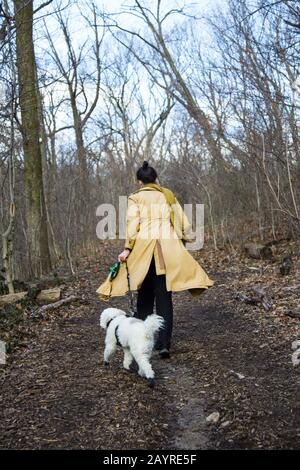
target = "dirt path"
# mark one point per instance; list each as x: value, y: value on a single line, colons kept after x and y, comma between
x: 227, y: 358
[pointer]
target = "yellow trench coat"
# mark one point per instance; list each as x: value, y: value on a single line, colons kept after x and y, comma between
x: 149, y: 232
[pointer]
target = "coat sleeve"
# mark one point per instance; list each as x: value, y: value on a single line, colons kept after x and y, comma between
x: 132, y: 223
x: 182, y: 225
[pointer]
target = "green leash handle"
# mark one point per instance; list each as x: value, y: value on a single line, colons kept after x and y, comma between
x: 113, y: 270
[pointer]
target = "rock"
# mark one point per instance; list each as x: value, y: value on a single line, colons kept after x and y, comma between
x: 237, y: 374
x: 296, y: 358
x: 213, y: 418
x: 225, y: 424
x: 296, y: 344
x: 257, y: 251
x: 291, y: 313
x: 286, y: 265
x: 296, y: 353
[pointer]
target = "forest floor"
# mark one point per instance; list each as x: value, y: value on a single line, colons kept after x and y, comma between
x: 227, y: 357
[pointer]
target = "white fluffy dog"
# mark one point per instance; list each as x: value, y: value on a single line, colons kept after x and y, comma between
x: 135, y: 336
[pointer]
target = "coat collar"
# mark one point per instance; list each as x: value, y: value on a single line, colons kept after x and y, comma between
x: 150, y: 186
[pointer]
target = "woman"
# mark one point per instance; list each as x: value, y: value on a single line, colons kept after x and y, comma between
x: 157, y: 260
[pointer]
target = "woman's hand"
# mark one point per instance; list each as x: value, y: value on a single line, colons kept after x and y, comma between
x: 124, y: 255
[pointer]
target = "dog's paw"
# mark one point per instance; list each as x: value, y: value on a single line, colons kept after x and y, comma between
x: 151, y: 383
x: 164, y: 354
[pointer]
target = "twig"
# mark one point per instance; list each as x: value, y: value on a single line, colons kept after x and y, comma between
x: 41, y: 311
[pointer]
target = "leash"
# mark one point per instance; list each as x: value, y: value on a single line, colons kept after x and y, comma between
x: 132, y: 309
x: 113, y: 272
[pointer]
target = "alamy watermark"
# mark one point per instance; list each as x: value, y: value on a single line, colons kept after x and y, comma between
x: 153, y: 222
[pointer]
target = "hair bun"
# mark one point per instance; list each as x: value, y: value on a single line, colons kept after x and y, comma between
x: 145, y: 165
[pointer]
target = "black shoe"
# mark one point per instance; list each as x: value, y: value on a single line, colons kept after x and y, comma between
x: 164, y: 353
x: 151, y: 383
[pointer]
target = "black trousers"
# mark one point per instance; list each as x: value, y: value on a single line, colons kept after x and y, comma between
x: 154, y: 287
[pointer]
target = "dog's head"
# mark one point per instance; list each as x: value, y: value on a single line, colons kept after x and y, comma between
x: 108, y: 314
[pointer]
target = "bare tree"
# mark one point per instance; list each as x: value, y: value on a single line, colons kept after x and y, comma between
x: 77, y: 80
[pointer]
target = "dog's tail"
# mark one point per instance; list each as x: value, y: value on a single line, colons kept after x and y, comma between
x: 153, y: 323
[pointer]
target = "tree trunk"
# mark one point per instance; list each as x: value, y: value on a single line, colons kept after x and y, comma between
x: 7, y: 250
x: 36, y: 219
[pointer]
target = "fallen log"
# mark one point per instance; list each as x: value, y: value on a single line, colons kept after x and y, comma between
x: 45, y: 296
x: 257, y: 297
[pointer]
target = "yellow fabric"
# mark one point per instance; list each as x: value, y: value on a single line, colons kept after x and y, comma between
x: 167, y: 193
x: 149, y: 232
x: 180, y: 223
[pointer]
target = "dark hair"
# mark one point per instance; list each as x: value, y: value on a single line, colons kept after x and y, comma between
x: 146, y: 173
